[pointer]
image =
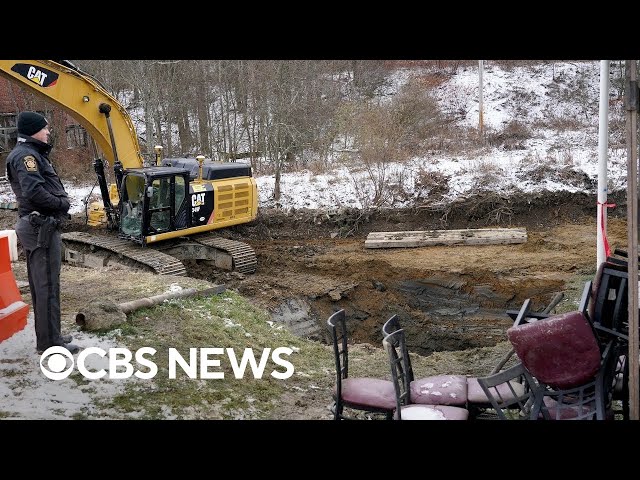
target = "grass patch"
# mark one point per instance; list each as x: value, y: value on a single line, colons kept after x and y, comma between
x: 230, y: 321
x: 222, y: 321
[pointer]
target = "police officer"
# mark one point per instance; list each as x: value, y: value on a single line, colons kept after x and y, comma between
x: 42, y: 203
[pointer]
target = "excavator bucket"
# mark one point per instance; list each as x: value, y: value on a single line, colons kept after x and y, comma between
x: 13, y: 311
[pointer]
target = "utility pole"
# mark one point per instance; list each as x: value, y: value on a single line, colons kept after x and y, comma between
x: 631, y: 105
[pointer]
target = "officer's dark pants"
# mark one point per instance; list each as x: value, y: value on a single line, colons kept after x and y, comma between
x: 43, y: 267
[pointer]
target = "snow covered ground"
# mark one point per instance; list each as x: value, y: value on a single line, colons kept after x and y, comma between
x: 25, y: 392
x: 527, y: 95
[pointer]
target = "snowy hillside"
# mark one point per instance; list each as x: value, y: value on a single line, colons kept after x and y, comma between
x: 560, y: 153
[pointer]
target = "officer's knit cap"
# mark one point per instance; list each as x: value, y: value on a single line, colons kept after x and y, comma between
x: 30, y: 123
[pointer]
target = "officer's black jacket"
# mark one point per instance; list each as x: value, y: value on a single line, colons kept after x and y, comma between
x: 33, y: 179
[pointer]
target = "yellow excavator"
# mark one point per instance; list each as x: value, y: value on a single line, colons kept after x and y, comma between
x: 164, y: 213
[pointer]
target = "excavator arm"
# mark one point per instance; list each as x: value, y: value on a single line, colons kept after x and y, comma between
x: 84, y: 99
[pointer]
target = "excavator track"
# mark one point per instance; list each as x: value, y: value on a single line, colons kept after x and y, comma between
x: 159, y: 262
x: 244, y: 257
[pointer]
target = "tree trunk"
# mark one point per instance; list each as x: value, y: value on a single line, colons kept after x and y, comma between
x: 202, y: 110
x: 148, y: 122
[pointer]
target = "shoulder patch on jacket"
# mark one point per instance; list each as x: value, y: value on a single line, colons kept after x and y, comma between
x: 30, y: 163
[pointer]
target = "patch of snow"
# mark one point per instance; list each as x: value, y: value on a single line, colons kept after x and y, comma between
x: 26, y: 393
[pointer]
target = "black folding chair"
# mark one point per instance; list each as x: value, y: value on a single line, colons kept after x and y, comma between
x: 396, y: 347
x: 373, y: 395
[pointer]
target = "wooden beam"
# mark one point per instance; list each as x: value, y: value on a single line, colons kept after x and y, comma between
x: 425, y: 238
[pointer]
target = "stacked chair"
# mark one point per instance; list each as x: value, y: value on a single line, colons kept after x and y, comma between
x: 575, y: 362
x: 568, y: 373
x: 429, y: 398
x: 363, y: 394
x: 570, y: 366
x: 456, y: 390
x: 448, y: 390
x: 605, y: 302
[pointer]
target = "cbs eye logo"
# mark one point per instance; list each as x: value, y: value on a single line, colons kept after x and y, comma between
x: 53, y: 363
x: 57, y: 363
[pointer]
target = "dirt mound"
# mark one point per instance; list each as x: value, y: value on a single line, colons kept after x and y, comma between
x: 534, y: 211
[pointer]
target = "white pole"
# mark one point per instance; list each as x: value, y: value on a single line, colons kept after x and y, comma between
x: 480, y: 120
x: 603, y: 146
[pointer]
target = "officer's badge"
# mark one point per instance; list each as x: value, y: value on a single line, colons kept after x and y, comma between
x: 30, y: 163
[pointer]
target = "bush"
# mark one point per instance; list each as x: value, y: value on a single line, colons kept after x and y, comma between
x: 511, y: 137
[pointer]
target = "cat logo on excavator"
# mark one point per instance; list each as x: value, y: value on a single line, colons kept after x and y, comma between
x: 38, y: 75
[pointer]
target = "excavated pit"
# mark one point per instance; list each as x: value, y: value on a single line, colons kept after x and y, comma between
x: 444, y: 311
x: 438, y: 313
x: 447, y: 297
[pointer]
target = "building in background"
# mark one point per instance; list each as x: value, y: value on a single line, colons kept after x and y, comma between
x: 71, y: 139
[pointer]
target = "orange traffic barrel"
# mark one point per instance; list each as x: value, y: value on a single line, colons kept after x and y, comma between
x: 13, y: 311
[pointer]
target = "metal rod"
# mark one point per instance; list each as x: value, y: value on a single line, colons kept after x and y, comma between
x: 106, y: 109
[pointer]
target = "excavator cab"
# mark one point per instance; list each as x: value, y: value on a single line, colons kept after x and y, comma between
x: 153, y: 202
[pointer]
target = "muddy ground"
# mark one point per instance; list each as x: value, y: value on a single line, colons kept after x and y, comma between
x: 450, y: 298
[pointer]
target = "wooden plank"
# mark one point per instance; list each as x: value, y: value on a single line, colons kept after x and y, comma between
x: 424, y: 238
x: 631, y: 100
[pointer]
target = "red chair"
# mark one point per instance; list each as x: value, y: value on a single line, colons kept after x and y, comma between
x: 574, y: 373
x: 373, y: 395
x: 435, y: 389
x: 406, y: 409
x: 13, y: 311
